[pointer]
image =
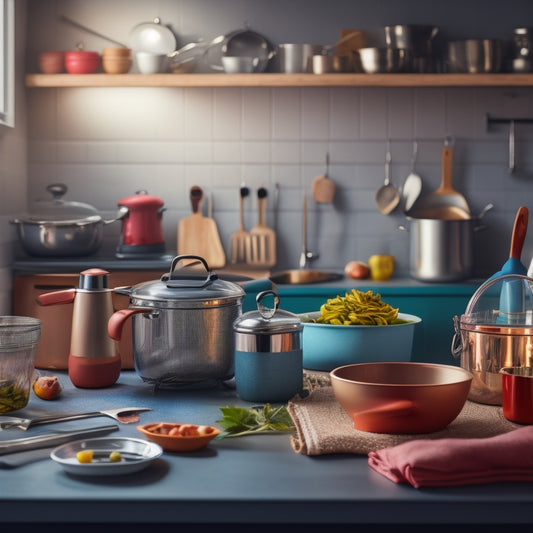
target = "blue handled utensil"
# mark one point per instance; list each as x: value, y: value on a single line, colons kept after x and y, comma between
x: 511, y: 295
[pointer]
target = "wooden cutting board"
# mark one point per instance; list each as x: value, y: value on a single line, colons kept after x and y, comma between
x: 198, y: 235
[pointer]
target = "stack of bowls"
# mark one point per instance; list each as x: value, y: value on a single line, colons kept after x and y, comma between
x: 116, y: 60
x: 82, y: 62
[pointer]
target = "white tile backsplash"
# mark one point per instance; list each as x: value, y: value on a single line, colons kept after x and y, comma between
x: 106, y: 144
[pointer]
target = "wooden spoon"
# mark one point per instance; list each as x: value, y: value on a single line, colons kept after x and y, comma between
x: 323, y: 187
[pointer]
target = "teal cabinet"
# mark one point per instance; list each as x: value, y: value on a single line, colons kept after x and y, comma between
x: 436, y: 305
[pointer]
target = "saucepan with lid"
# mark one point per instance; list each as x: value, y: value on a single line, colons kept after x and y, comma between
x: 60, y: 227
x: 489, y: 336
x: 182, y: 323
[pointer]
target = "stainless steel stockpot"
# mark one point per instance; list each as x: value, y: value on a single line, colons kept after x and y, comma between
x: 182, y: 324
x: 442, y: 250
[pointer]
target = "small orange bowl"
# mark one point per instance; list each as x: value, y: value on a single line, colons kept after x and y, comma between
x: 179, y: 437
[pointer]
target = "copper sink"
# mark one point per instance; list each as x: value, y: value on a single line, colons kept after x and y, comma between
x: 303, y: 276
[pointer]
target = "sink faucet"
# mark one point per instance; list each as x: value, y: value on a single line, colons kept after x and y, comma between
x: 306, y: 256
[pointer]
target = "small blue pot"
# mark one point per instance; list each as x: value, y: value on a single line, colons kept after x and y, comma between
x: 268, y: 353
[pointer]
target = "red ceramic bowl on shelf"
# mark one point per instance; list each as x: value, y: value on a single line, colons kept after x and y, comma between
x: 52, y: 62
x: 82, y: 62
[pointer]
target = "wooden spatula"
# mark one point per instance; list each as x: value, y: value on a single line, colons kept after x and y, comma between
x: 198, y: 235
x: 261, y: 250
x: 240, y: 237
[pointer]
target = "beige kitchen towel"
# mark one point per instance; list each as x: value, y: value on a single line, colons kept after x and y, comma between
x: 322, y: 426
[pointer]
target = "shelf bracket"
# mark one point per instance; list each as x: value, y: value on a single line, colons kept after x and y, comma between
x: 500, y: 120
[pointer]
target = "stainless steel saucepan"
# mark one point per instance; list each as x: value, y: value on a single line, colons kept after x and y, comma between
x: 61, y: 228
x: 183, y: 323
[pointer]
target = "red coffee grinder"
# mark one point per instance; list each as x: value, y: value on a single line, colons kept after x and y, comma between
x: 142, y: 233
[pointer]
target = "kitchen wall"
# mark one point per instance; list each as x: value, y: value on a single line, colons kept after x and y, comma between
x: 13, y: 167
x: 106, y: 144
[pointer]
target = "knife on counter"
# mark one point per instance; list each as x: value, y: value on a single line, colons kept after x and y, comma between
x: 52, y: 439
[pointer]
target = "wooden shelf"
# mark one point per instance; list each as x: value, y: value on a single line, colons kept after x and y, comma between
x: 278, y: 80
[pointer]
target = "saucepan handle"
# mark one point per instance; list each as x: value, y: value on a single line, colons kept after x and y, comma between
x: 118, y: 318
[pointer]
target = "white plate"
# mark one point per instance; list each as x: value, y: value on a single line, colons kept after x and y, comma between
x: 152, y: 37
x: 136, y: 455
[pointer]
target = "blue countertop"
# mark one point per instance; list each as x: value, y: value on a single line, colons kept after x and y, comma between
x: 245, y: 480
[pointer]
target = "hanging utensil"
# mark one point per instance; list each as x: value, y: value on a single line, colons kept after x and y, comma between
x: 445, y: 203
x: 241, y: 236
x: 262, y: 242
x: 511, y: 146
x: 323, y: 187
x: 387, y: 196
x: 413, y: 183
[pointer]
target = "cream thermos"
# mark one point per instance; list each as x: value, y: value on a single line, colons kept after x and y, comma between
x: 94, y: 361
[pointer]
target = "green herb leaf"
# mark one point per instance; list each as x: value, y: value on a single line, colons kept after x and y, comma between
x: 239, y: 421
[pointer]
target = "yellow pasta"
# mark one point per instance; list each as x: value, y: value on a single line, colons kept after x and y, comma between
x: 357, y: 308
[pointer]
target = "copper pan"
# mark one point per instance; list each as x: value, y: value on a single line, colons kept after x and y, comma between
x: 401, y: 398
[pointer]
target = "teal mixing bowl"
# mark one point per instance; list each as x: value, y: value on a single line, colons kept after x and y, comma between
x: 326, y: 346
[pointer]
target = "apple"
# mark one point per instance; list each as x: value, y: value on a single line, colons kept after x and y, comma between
x: 357, y: 270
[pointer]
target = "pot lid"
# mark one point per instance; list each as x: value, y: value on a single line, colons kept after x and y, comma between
x: 500, y: 302
x: 141, y: 200
x: 267, y: 320
x: 189, y: 284
x: 59, y: 210
x: 152, y: 37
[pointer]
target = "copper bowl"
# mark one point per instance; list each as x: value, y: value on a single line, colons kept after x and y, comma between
x: 401, y: 398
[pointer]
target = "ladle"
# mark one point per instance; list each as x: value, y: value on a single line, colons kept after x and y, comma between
x: 413, y: 183
x: 387, y: 196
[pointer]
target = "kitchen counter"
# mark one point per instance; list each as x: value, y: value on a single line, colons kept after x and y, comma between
x: 245, y: 480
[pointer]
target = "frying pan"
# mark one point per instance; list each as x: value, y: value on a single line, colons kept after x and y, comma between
x: 401, y: 398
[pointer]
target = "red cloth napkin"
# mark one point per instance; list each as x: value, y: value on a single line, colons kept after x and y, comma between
x: 457, y: 461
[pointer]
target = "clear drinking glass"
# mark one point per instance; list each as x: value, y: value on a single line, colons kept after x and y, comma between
x: 19, y: 336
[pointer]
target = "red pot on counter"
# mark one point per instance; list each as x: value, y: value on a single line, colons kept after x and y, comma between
x: 142, y: 232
